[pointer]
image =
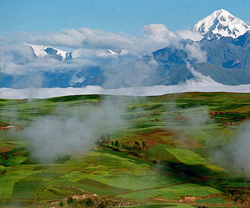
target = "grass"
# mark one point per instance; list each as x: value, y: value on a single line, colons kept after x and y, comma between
x: 173, y: 192
x: 158, y: 152
x: 187, y: 156
x: 94, y: 186
x: 152, y: 206
x: 12, y: 176
x: 120, y: 173
x: 213, y: 200
x: 26, y: 189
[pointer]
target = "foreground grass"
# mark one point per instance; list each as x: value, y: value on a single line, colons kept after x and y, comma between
x: 164, y: 151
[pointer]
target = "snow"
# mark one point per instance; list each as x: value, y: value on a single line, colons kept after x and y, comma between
x: 75, y: 54
x: 111, y: 52
x: 117, y: 52
x: 40, y: 51
x: 76, y: 79
x: 221, y: 24
x: 59, y: 52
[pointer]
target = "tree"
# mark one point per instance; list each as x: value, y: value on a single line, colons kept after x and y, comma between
x: 102, y: 205
x: 89, y: 202
x: 136, y: 145
x: 144, y: 145
x: 61, y: 204
x: 108, y: 137
x: 71, y: 202
x: 103, y: 138
x: 117, y: 143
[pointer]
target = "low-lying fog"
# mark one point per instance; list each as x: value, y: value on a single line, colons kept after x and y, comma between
x: 190, y: 86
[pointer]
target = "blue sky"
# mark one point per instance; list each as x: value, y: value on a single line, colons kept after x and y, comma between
x: 128, y: 16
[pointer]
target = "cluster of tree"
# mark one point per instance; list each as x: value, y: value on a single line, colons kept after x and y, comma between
x: 105, y: 139
x: 116, y: 143
x: 106, y: 142
x: 138, y: 146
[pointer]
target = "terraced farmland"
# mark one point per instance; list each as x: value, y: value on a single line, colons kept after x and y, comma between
x: 160, y: 151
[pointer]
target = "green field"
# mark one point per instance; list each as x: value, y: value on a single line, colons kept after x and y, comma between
x: 159, y: 151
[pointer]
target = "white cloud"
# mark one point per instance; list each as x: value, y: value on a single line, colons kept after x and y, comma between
x: 89, y: 44
x: 199, y: 76
x: 55, y: 136
x: 158, y: 33
x: 195, y: 53
x: 156, y: 36
x: 235, y: 154
x: 16, y: 59
x: 188, y: 34
x: 189, y: 86
x: 91, y: 47
x: 84, y: 37
x: 130, y: 72
x: 14, y: 55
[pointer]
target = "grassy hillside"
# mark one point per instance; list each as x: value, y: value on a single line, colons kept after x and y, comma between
x: 228, y: 76
x: 176, y: 150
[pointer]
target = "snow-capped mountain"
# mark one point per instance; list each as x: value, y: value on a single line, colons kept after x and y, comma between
x: 117, y: 52
x: 48, y: 51
x: 221, y: 24
x: 43, y: 51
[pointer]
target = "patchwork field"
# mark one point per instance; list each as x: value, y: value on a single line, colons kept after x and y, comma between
x: 177, y: 150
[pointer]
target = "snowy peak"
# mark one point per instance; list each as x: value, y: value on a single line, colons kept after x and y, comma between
x: 115, y: 52
x: 221, y: 24
x: 47, y: 51
x: 60, y: 55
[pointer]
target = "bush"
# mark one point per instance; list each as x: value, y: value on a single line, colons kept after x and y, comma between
x: 71, y: 202
x: 89, y: 202
x: 2, y: 171
x: 61, y: 204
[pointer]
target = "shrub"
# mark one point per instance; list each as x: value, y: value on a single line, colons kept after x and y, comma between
x: 61, y: 204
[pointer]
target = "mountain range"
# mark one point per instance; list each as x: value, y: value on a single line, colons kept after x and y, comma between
x: 225, y: 46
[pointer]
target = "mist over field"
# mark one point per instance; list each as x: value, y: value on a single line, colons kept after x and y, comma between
x: 54, y: 136
x: 235, y: 155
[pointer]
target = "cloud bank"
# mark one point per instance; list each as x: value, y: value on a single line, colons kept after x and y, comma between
x: 89, y: 48
x: 190, y: 86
